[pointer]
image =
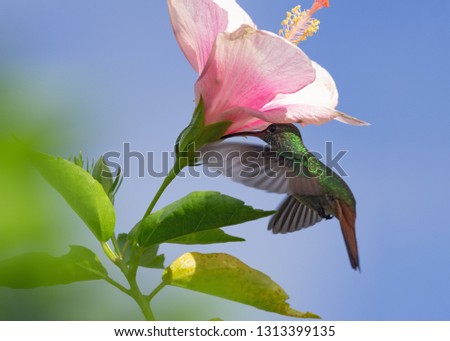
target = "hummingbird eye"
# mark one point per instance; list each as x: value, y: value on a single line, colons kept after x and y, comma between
x: 272, y: 128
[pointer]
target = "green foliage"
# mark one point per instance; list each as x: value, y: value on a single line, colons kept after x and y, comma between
x: 196, y: 212
x: 37, y: 269
x: 79, y: 161
x: 82, y: 192
x: 225, y: 276
x: 197, y: 218
x: 197, y: 135
x: 211, y: 133
x: 151, y: 259
x: 149, y: 256
x: 206, y: 237
x: 193, y: 129
x: 102, y: 173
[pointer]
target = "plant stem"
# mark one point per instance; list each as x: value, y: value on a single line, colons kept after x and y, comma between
x: 140, y: 299
x: 131, y: 270
x: 155, y: 291
x: 134, y: 290
x: 180, y: 163
x: 117, y: 285
x: 172, y: 174
x: 110, y: 253
x: 116, y: 245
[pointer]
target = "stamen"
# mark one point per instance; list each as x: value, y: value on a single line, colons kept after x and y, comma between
x: 299, y: 25
x: 318, y: 4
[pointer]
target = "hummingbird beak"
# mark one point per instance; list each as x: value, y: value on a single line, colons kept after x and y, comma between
x: 244, y: 133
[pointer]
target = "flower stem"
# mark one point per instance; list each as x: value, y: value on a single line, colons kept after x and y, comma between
x: 177, y: 167
x: 180, y: 163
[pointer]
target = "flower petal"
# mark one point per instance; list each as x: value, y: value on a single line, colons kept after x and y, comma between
x: 314, y: 104
x: 344, y: 118
x: 244, y: 119
x: 247, y: 69
x: 236, y: 15
x: 196, y: 24
x: 306, y: 114
x: 322, y: 92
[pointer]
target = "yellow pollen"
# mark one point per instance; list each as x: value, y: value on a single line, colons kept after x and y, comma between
x: 299, y: 25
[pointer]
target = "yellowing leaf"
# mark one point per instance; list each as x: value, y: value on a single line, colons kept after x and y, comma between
x: 226, y: 276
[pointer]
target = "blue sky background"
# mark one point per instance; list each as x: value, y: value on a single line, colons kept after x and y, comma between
x: 122, y: 78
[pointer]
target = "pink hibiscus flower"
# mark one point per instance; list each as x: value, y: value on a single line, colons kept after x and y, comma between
x: 248, y: 76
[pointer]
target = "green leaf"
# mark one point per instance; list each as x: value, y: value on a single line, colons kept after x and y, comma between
x: 78, y: 159
x: 122, y: 241
x: 103, y: 175
x: 194, y: 128
x: 124, y: 246
x: 82, y: 192
x: 149, y: 257
x: 38, y: 269
x: 110, y: 183
x: 211, y: 133
x: 196, y: 135
x: 206, y: 237
x: 225, y: 276
x: 196, y: 212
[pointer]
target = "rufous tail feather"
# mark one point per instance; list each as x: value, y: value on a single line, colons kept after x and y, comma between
x: 347, y: 219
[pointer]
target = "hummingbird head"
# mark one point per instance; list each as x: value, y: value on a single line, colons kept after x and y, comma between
x: 276, y: 134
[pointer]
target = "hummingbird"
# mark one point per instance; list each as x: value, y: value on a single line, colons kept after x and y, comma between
x: 285, y: 165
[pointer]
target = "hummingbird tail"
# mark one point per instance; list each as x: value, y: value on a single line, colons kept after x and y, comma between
x: 347, y: 219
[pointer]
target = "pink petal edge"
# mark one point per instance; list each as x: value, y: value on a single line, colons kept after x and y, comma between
x: 196, y: 24
x: 314, y: 104
x: 247, y: 69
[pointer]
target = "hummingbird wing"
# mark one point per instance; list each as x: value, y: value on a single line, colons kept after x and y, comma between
x: 292, y: 216
x: 347, y: 218
x: 258, y: 167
